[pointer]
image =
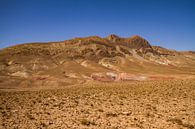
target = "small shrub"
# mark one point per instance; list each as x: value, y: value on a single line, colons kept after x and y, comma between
x: 111, y: 115
x: 87, y: 122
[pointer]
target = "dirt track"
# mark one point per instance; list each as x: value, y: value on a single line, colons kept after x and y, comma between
x: 139, y: 105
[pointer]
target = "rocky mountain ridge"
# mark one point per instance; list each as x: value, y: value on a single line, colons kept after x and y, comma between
x: 92, y: 58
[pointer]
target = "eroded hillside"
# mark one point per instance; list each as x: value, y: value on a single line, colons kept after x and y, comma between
x: 92, y: 58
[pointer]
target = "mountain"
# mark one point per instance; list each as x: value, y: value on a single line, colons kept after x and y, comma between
x: 82, y: 60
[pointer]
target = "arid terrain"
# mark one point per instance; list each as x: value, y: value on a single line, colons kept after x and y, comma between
x: 94, y: 82
x: 129, y: 105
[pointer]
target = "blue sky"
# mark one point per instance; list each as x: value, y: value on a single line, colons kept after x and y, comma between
x: 167, y: 23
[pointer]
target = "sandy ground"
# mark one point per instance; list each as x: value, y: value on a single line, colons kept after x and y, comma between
x: 166, y: 104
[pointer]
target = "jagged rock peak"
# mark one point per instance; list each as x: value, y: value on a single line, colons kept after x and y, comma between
x: 138, y: 42
x: 137, y: 37
x: 113, y: 37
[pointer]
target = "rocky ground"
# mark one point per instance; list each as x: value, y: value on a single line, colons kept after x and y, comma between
x: 166, y: 104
